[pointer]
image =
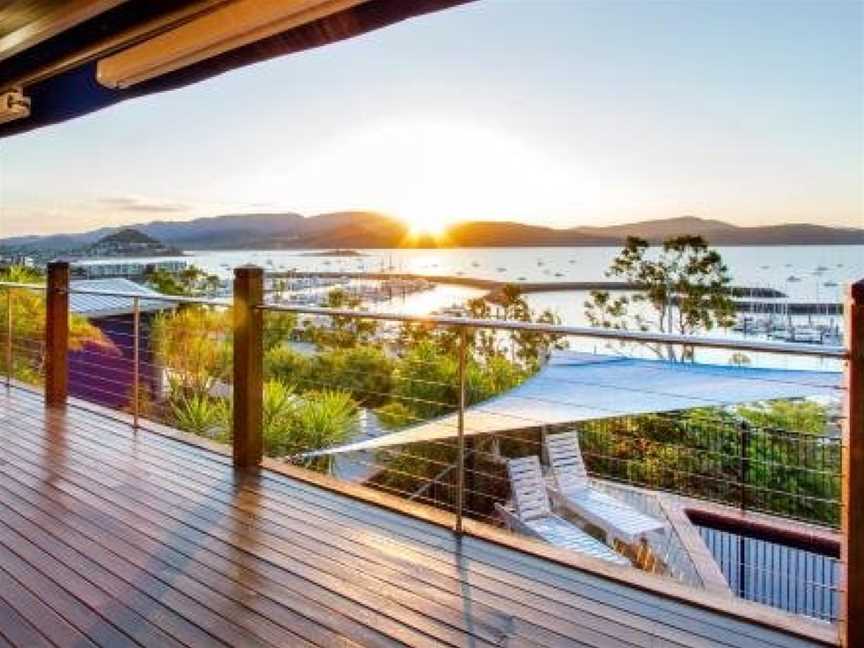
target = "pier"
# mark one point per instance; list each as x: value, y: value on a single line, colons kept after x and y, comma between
x: 789, y: 308
x: 495, y: 286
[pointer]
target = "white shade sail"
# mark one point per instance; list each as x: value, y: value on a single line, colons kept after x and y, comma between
x: 575, y: 387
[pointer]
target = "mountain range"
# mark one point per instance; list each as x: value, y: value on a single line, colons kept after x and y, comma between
x: 359, y: 229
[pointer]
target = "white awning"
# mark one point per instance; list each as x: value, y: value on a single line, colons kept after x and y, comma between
x: 575, y: 387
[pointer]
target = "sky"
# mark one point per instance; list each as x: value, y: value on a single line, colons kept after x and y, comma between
x: 553, y: 112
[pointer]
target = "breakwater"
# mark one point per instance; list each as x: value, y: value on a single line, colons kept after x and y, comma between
x: 495, y: 286
x: 747, y: 299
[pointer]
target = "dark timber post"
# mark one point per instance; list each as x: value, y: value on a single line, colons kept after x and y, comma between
x: 852, y: 552
x: 248, y: 365
x: 57, y: 334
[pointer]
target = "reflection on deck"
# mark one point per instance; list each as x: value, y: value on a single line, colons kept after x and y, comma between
x: 112, y: 537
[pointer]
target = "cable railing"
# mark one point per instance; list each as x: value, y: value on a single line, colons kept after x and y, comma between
x: 21, y: 336
x: 438, y: 410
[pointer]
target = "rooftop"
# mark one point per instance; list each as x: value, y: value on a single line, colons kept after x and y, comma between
x: 93, y: 305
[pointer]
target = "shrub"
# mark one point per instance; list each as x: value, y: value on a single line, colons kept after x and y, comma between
x: 198, y: 414
x: 364, y: 371
x: 395, y: 415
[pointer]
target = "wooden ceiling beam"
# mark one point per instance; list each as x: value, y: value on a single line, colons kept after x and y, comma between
x: 49, y: 20
x: 237, y: 23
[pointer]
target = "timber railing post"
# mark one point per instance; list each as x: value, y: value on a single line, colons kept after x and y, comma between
x: 852, y: 552
x: 57, y: 334
x: 248, y: 384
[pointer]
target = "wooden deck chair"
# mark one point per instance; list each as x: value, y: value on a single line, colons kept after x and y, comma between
x: 533, y: 515
x: 572, y: 490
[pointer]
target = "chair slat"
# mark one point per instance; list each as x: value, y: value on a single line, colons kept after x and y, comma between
x: 617, y: 518
x: 529, y: 489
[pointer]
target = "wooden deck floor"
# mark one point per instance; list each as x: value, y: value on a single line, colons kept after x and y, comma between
x: 110, y: 537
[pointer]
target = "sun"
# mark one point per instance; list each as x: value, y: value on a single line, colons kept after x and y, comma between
x: 435, y: 229
x: 433, y: 170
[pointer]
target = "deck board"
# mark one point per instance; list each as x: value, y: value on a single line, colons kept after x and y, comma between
x: 117, y: 537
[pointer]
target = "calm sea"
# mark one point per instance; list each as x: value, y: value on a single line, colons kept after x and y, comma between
x: 804, y: 273
x: 801, y: 272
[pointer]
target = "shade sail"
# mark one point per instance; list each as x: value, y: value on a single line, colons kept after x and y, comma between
x: 575, y: 387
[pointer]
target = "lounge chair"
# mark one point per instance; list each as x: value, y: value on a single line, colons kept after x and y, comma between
x: 572, y: 490
x: 533, y: 515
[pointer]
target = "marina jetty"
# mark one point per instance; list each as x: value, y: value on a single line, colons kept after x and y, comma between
x: 789, y: 307
x: 494, y: 286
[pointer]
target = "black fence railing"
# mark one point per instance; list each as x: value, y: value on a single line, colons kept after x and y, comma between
x: 794, y: 579
x: 722, y: 458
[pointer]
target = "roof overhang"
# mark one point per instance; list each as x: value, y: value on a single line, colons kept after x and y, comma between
x: 72, y: 58
x: 87, y: 300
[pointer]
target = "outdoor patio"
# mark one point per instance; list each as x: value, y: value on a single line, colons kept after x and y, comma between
x: 113, y: 536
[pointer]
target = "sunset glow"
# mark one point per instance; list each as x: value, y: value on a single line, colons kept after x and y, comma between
x: 605, y: 113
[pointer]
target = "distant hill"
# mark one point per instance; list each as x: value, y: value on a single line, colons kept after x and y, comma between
x: 720, y: 233
x: 659, y: 230
x: 358, y: 229
x: 498, y: 234
x: 129, y: 242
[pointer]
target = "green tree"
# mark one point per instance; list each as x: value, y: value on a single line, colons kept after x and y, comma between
x: 278, y: 327
x: 426, y: 382
x: 365, y: 372
x: 530, y: 348
x: 342, y: 331
x: 189, y: 282
x: 685, y: 289
x: 193, y: 345
x: 285, y: 364
x: 804, y: 417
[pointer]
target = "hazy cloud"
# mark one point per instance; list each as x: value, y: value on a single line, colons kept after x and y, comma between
x: 138, y: 205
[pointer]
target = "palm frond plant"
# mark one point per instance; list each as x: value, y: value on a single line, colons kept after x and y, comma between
x: 279, y: 404
x: 201, y: 415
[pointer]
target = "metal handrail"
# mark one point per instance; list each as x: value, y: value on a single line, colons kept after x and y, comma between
x: 25, y: 286
x: 126, y: 295
x: 788, y: 348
